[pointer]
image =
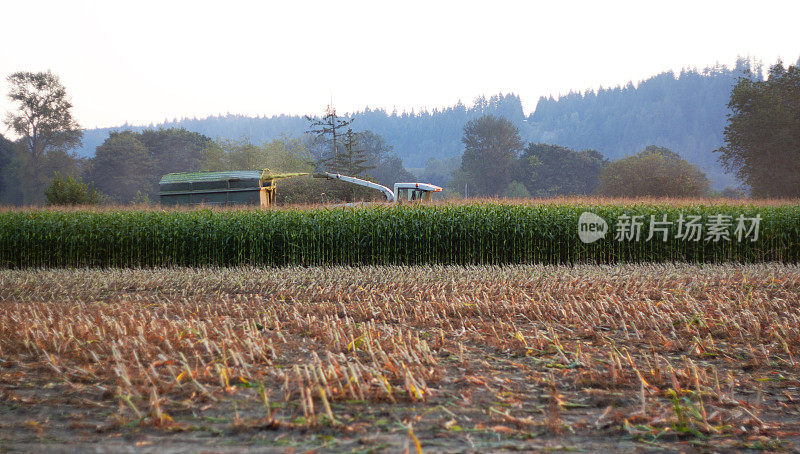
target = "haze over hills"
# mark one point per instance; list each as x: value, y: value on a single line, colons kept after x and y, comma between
x: 685, y: 112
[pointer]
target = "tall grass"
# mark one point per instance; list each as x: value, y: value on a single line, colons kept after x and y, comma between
x: 476, y: 233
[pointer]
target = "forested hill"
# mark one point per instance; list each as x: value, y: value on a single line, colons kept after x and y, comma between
x: 684, y: 112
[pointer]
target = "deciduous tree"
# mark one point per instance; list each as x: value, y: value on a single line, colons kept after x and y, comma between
x: 549, y: 170
x: 6, y: 156
x: 122, y: 166
x: 491, y: 146
x: 174, y: 149
x: 762, y: 137
x: 44, y: 123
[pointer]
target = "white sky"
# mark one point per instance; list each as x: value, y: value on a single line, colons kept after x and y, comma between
x: 146, y: 61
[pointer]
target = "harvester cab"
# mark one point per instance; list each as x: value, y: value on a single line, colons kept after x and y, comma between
x: 413, y: 192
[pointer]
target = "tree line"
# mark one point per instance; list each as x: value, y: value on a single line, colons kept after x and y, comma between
x: 42, y: 167
x: 760, y: 146
x: 496, y: 162
x: 684, y: 111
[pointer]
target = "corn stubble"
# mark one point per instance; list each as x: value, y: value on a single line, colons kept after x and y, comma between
x: 659, y: 354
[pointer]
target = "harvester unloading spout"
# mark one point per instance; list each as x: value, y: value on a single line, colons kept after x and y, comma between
x: 336, y: 176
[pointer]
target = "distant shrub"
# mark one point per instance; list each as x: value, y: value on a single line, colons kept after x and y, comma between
x: 70, y: 191
x: 654, y: 172
x: 516, y: 190
x: 141, y: 198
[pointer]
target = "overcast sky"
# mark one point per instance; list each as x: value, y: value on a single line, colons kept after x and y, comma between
x: 142, y: 61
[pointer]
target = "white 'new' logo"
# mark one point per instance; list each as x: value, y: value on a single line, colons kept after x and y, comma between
x: 591, y: 227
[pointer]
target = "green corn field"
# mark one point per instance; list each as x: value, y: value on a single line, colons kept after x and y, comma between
x: 473, y: 233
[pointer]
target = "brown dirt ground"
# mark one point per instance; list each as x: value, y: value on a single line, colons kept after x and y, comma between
x: 506, y: 359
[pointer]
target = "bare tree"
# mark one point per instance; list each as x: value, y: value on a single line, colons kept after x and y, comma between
x: 327, y: 133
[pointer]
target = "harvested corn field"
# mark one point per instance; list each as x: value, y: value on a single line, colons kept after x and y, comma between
x: 376, y: 359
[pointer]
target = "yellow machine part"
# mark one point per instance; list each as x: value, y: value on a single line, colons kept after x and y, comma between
x: 267, y: 195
